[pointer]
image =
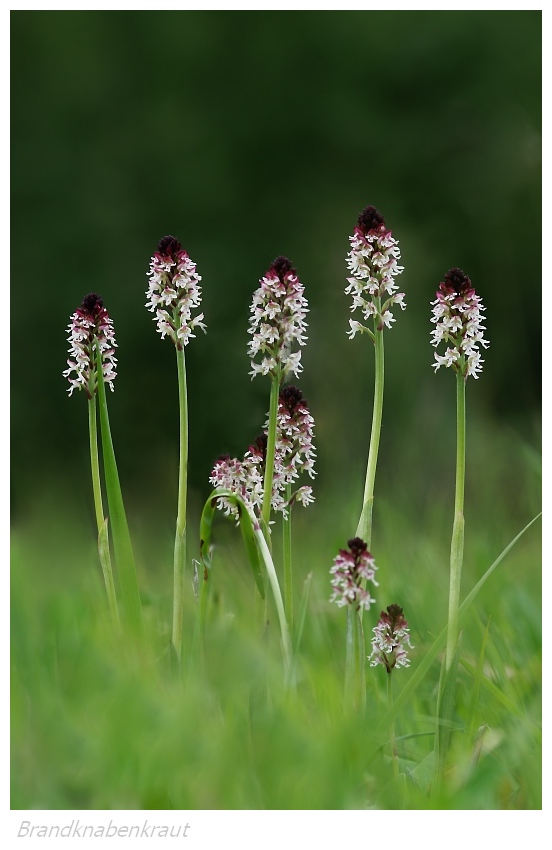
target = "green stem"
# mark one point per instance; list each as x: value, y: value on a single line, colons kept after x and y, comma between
x: 364, y: 529
x: 393, y: 741
x: 457, y: 542
x: 270, y: 451
x: 288, y: 580
x: 355, y: 693
x: 273, y: 579
x: 101, y: 521
x: 122, y: 545
x: 180, y: 537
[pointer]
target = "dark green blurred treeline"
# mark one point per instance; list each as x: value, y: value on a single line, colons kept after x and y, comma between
x: 247, y: 135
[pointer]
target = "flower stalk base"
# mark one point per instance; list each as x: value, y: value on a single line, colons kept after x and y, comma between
x: 180, y: 537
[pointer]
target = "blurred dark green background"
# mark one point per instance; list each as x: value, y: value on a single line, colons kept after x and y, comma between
x: 252, y: 134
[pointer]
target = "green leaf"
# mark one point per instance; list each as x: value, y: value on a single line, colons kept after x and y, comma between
x: 247, y: 532
x: 105, y: 561
x: 122, y: 545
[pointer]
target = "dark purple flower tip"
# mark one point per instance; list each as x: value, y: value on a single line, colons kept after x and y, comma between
x: 91, y: 303
x: 282, y: 266
x: 394, y: 617
x: 291, y: 397
x: 357, y: 546
x: 169, y: 246
x: 456, y: 280
x: 259, y: 447
x: 370, y: 219
x: 222, y: 459
x: 261, y: 443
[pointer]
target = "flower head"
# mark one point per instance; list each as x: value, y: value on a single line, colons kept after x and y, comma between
x: 240, y: 477
x: 373, y: 262
x: 458, y: 318
x: 294, y: 455
x: 174, y: 292
x: 351, y: 567
x: 277, y: 322
x: 90, y: 326
x: 391, y: 637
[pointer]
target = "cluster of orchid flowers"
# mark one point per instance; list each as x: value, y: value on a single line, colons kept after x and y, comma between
x: 294, y: 455
x: 278, y: 332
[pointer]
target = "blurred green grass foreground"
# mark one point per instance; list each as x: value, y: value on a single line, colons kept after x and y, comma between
x: 96, y: 728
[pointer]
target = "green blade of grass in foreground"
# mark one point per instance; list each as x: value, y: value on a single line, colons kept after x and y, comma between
x: 122, y: 545
x: 432, y: 653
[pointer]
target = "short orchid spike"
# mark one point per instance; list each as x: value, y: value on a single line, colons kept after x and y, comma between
x: 352, y: 567
x: 391, y: 638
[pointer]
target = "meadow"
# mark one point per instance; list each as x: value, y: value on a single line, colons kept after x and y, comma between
x: 101, y: 725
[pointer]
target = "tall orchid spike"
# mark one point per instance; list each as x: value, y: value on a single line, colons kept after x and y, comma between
x: 174, y: 291
x: 373, y: 262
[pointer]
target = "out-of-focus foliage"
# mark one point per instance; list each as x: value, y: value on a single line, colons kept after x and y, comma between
x: 252, y: 134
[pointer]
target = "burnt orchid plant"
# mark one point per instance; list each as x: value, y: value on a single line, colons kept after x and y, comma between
x: 352, y: 569
x: 264, y: 480
x: 373, y: 263
x: 278, y: 327
x: 390, y: 646
x: 458, y: 319
x: 92, y: 365
x: 174, y: 294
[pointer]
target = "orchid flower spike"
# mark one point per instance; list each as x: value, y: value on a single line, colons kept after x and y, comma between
x: 173, y: 292
x: 351, y: 567
x: 373, y: 261
x: 391, y: 637
x: 458, y: 319
x: 277, y: 322
x: 90, y: 326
